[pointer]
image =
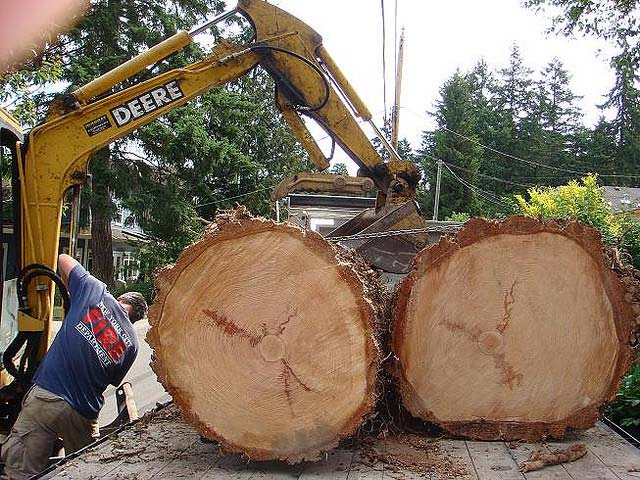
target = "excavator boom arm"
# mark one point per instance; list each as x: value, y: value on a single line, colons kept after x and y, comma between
x: 308, y: 82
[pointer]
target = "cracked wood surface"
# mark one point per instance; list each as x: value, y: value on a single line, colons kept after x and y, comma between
x: 512, y: 330
x: 167, y: 447
x: 265, y: 340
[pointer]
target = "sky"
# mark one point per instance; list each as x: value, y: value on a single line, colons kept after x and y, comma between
x: 440, y: 38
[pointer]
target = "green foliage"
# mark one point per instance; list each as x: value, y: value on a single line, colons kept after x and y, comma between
x: 152, y: 257
x: 458, y: 217
x: 21, y: 91
x: 339, y: 169
x: 625, y: 410
x: 486, y: 121
x: 454, y: 112
x: 145, y: 287
x: 609, y: 19
x: 229, y: 147
x: 583, y: 200
x: 616, y: 22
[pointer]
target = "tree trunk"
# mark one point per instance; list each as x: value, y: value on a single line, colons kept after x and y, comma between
x: 514, y: 331
x: 101, y: 213
x: 102, y: 247
x: 265, y: 339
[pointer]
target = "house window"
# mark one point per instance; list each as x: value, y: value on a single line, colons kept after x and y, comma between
x: 131, y: 267
x: 126, y: 266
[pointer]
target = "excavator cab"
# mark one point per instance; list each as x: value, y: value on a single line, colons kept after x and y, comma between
x: 11, y: 136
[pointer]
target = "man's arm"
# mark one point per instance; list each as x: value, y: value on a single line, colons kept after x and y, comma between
x: 65, y: 265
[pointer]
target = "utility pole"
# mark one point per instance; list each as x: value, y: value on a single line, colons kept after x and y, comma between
x: 395, y: 116
x: 436, y: 203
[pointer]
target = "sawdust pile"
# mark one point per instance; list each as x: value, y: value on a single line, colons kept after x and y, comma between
x: 414, y: 453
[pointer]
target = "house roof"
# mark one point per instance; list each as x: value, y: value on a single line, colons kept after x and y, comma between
x: 621, y: 199
x: 121, y: 234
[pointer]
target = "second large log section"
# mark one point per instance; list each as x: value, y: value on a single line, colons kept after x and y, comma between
x: 265, y: 340
x: 513, y: 330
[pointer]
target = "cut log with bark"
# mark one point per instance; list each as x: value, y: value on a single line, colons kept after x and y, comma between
x: 512, y: 330
x: 265, y: 337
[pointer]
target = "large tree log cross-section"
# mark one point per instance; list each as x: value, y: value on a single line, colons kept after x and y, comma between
x: 513, y: 330
x: 265, y: 340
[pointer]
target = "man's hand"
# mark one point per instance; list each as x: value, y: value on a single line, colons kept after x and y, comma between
x: 65, y: 265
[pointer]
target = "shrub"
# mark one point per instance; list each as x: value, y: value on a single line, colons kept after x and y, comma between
x: 583, y: 201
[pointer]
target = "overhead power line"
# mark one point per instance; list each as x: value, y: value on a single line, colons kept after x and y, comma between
x: 537, y: 164
x: 489, y: 196
x: 490, y: 177
x: 233, y: 198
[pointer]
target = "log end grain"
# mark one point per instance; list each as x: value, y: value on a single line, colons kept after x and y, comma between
x: 265, y: 340
x: 513, y: 330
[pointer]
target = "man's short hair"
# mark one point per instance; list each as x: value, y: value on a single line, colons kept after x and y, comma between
x: 139, y: 304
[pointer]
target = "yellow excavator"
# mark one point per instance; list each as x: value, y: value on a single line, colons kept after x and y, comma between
x: 52, y: 158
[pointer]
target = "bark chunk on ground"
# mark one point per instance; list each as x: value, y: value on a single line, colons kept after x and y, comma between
x: 540, y: 459
x: 512, y: 330
x: 265, y: 338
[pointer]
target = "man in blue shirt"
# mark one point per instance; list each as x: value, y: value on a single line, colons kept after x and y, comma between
x: 94, y: 348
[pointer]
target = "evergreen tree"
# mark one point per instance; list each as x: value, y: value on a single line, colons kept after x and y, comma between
x: 558, y: 118
x: 514, y: 94
x: 112, y: 32
x: 494, y: 128
x: 339, y: 169
x: 559, y: 113
x: 513, y: 102
x: 617, y: 23
x: 453, y: 142
x: 625, y: 98
x: 598, y: 148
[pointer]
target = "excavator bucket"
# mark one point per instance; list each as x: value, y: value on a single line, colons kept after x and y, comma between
x: 321, y: 182
x: 377, y: 238
x: 378, y: 234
